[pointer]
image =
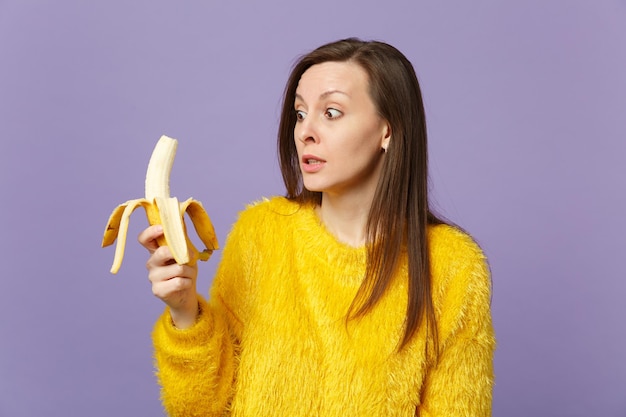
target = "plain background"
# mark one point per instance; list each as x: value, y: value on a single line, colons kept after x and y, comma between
x: 526, y: 104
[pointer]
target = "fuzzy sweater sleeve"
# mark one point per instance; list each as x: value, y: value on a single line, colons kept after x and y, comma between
x: 196, y: 367
x: 460, y: 382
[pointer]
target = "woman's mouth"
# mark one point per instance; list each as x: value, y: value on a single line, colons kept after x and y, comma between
x: 311, y: 164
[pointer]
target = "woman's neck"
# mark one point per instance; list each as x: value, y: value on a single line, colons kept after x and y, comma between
x: 345, y: 217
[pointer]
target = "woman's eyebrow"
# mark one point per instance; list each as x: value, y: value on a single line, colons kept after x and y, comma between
x: 325, y: 94
x: 330, y: 92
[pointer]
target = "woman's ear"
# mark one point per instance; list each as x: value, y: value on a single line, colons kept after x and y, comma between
x: 386, y: 137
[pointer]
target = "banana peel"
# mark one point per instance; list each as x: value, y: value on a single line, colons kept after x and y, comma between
x: 162, y: 209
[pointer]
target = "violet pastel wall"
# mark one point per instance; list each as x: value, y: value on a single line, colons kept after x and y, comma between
x: 526, y: 106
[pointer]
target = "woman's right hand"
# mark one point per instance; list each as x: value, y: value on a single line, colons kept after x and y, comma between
x: 174, y: 284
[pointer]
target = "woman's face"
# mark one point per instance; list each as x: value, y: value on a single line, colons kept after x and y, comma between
x: 338, y: 133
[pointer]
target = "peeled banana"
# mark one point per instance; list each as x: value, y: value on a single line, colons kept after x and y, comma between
x: 164, y: 210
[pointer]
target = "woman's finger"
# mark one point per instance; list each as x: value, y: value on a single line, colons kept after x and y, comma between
x: 176, y: 286
x: 166, y: 270
x: 173, y: 284
x: 161, y: 256
x: 148, y: 237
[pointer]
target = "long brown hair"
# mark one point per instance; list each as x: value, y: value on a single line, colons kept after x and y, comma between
x: 400, y: 211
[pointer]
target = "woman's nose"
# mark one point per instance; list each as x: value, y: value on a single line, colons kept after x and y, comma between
x: 305, y: 131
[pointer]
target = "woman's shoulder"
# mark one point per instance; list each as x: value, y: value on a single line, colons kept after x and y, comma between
x: 451, y: 241
x: 268, y: 212
x: 455, y: 253
x: 275, y: 204
x: 272, y: 206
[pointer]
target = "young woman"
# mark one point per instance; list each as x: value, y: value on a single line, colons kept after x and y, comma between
x: 347, y: 297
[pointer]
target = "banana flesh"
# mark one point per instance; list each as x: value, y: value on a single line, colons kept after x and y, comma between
x: 162, y: 209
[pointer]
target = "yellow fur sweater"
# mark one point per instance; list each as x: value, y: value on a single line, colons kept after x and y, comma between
x: 273, y: 339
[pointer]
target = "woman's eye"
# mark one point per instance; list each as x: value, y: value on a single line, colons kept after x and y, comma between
x: 300, y: 115
x: 333, y: 113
